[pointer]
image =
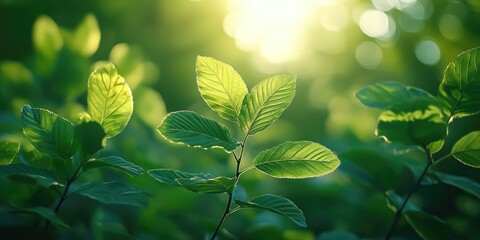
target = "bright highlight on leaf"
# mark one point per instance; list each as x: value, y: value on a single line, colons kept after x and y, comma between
x: 266, y: 102
x: 110, y: 101
x: 467, y: 149
x: 114, y: 162
x: 460, y: 86
x: 8, y: 150
x: 278, y: 205
x: 297, y: 160
x: 221, y: 87
x: 190, y: 128
x: 49, y: 133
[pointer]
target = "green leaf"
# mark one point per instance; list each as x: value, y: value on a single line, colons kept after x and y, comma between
x: 8, y: 150
x: 428, y: 226
x: 170, y: 176
x: 394, y: 202
x: 114, y: 162
x: 460, y: 182
x: 202, y: 185
x: 416, y: 122
x: 86, y: 38
x: 460, y: 87
x: 49, y: 133
x: 43, y: 212
x: 385, y: 95
x: 266, y: 102
x: 110, y: 101
x: 47, y: 39
x: 221, y: 87
x: 190, y: 128
x: 278, y: 205
x: 113, y: 193
x: 31, y: 175
x: 297, y: 160
x: 467, y: 149
x: 89, y: 138
x: 337, y: 235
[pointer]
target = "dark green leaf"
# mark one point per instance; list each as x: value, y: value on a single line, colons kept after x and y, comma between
x: 394, y: 202
x: 27, y: 174
x: 337, y: 235
x: 460, y: 87
x: 278, y: 205
x: 460, y: 182
x: 190, y: 128
x: 43, y: 212
x: 221, y: 87
x: 416, y: 122
x: 385, y: 95
x: 89, y: 138
x: 110, y: 101
x: 467, y: 149
x: 8, y: 150
x: 114, y: 162
x: 170, y: 176
x: 297, y: 160
x: 266, y: 102
x: 213, y: 185
x: 427, y: 226
x: 113, y: 193
x: 47, y: 132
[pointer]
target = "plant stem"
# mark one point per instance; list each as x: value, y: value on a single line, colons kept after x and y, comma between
x: 442, y: 158
x: 230, y: 195
x: 398, y: 214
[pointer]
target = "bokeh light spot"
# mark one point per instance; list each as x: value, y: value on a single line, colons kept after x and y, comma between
x: 451, y: 27
x: 427, y: 52
x: 377, y: 24
x: 369, y: 55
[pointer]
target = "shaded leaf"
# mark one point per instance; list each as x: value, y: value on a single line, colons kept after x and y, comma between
x: 212, y: 185
x: 460, y: 182
x: 416, y: 122
x: 394, y: 201
x: 385, y: 95
x: 8, y: 150
x: 89, y: 138
x: 428, y: 226
x: 49, y: 133
x: 109, y: 98
x: 460, y: 87
x: 278, y: 205
x: 114, y: 162
x: 467, y: 149
x: 266, y: 102
x: 297, y: 160
x: 337, y: 235
x: 190, y: 128
x: 26, y: 174
x: 113, y: 193
x: 170, y: 176
x: 221, y: 87
x: 43, y: 212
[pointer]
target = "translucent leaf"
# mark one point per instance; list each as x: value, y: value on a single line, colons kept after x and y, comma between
x: 190, y: 128
x: 266, y: 102
x: 89, y: 138
x: 47, y: 39
x: 460, y: 182
x: 86, y: 37
x: 149, y: 106
x: 170, y: 176
x: 416, y: 122
x: 221, y: 87
x: 385, y: 95
x: 278, y: 205
x: 110, y: 101
x: 130, y: 62
x: 113, y: 193
x: 31, y: 175
x: 43, y: 212
x: 114, y: 162
x: 428, y: 226
x: 212, y: 185
x: 467, y: 149
x: 49, y: 133
x: 8, y: 150
x: 297, y: 160
x: 460, y: 87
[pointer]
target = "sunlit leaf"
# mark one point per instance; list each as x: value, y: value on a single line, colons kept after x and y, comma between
x: 427, y: 226
x: 416, y: 122
x: 467, y: 149
x: 23, y: 173
x: 190, y: 128
x: 213, y: 185
x: 8, y: 150
x: 49, y: 133
x: 114, y: 162
x: 89, y: 138
x: 47, y: 39
x: 460, y: 182
x: 460, y: 87
x: 266, y: 102
x: 278, y: 205
x: 86, y: 38
x: 436, y: 146
x: 129, y: 60
x: 43, y: 212
x: 384, y: 95
x: 297, y: 160
x: 110, y: 101
x: 113, y: 193
x: 149, y: 106
x: 221, y: 87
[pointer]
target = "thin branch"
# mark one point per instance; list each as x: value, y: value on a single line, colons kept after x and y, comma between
x: 441, y: 159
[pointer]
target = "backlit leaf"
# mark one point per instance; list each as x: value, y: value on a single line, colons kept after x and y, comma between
x: 190, y: 128
x: 86, y: 38
x: 221, y: 87
x: 109, y: 98
x: 47, y: 39
x: 297, y: 160
x: 467, y: 149
x: 8, y: 150
x: 113, y: 193
x: 266, y: 102
x: 114, y: 162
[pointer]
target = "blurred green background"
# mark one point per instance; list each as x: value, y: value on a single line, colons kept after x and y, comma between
x: 334, y: 47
